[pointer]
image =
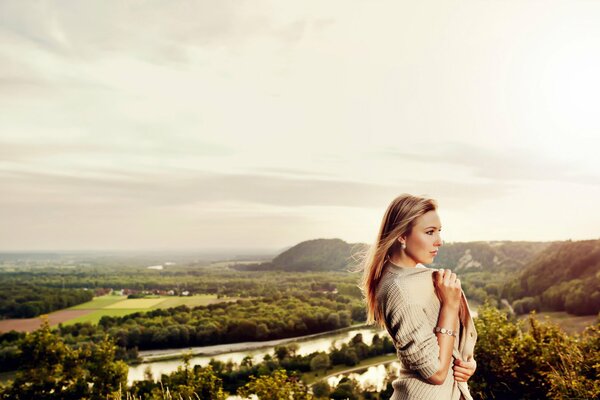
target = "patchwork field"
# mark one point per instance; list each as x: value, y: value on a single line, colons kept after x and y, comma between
x: 31, y: 324
x: 110, y: 305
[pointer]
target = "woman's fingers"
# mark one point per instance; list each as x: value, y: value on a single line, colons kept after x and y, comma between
x: 446, y: 278
x: 462, y: 374
x: 461, y: 377
x: 462, y: 370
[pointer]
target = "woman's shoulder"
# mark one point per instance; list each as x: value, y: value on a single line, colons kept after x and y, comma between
x: 410, y: 286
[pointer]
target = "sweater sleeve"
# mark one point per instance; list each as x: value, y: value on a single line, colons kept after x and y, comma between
x: 416, y: 344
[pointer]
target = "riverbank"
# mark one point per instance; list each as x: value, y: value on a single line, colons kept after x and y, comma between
x: 173, y: 354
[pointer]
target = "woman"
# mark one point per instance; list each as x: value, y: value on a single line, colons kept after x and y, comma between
x: 423, y: 310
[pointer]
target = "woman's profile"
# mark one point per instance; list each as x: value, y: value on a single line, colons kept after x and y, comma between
x: 424, y: 310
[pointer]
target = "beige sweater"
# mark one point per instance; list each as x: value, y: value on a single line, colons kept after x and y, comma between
x: 411, y: 309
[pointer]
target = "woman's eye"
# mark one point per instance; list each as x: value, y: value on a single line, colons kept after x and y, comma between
x: 430, y: 232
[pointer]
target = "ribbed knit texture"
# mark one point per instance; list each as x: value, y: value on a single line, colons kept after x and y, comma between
x: 411, y: 311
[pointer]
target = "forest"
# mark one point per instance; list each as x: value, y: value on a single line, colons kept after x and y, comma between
x: 515, y: 359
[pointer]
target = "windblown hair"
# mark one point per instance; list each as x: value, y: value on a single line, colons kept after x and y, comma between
x: 398, y: 220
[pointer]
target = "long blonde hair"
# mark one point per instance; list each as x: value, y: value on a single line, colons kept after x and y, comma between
x: 398, y: 220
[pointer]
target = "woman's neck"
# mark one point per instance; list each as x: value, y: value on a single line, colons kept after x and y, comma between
x: 401, y: 259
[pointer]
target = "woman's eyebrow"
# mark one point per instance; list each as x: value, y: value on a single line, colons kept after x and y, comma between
x: 433, y: 227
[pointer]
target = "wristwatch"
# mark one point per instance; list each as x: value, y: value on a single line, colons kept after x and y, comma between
x: 444, y: 330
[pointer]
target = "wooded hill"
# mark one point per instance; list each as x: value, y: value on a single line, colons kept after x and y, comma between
x: 564, y: 277
x: 311, y: 255
x: 491, y: 256
x: 337, y: 255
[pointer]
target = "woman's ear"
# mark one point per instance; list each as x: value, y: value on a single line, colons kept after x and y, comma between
x: 402, y: 242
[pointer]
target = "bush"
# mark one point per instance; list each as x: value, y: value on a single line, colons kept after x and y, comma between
x: 533, y: 360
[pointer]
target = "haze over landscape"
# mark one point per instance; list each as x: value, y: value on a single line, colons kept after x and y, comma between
x: 188, y: 190
x: 215, y: 125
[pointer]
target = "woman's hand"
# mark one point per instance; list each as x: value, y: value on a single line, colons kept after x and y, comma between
x: 463, y: 370
x: 447, y: 287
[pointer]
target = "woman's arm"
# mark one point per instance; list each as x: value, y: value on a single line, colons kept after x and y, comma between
x: 448, y: 319
x: 448, y: 290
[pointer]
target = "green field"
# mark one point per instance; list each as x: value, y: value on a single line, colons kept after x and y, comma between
x: 118, y: 306
x: 99, y: 302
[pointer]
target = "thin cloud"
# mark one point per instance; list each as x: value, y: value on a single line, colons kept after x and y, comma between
x: 179, y: 188
x: 502, y: 165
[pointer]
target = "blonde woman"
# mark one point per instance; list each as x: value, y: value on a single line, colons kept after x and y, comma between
x: 423, y: 309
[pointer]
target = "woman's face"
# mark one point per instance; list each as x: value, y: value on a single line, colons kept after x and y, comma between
x: 423, y: 242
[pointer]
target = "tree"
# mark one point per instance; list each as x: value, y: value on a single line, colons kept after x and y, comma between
x: 51, y: 369
x: 194, y: 383
x: 347, y: 389
x: 281, y: 352
x: 321, y: 389
x: 104, y: 373
x: 333, y: 321
x: 276, y: 386
x: 320, y: 362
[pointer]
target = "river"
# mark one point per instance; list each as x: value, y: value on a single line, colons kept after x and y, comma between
x: 237, y: 351
x: 373, y: 376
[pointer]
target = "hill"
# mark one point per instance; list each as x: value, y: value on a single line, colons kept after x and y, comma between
x: 487, y: 256
x: 564, y: 277
x: 337, y: 255
x: 311, y: 255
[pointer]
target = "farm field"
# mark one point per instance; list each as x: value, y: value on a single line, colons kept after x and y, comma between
x: 31, y: 324
x: 111, y: 305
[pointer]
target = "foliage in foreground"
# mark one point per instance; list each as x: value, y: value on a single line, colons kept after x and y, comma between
x: 51, y: 369
x: 533, y: 360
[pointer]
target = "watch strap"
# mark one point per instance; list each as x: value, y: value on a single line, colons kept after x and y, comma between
x: 445, y: 331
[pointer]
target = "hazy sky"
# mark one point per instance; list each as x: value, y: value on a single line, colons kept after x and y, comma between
x: 232, y: 124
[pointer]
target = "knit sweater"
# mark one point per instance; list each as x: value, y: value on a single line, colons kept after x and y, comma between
x: 411, y: 310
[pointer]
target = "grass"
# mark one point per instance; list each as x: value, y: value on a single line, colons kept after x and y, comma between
x: 99, y: 302
x: 136, y: 304
x: 118, y: 306
x: 95, y: 316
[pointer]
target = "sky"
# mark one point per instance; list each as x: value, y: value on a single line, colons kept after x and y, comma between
x: 190, y: 125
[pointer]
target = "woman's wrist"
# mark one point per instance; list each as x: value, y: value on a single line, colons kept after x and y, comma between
x: 445, y: 331
x: 451, y: 307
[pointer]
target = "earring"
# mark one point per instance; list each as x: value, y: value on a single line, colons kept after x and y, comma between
x: 403, y: 246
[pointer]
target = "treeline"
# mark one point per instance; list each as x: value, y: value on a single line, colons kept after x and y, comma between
x: 23, y: 300
x: 565, y: 277
x: 279, y: 316
x: 276, y: 317
x: 221, y: 281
